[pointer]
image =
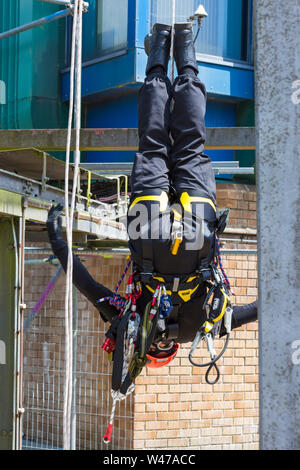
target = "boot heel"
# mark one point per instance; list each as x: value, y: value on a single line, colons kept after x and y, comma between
x: 157, y: 47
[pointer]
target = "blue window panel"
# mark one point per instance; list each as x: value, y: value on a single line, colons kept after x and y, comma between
x: 230, y: 82
x: 101, y: 76
x: 113, y: 113
x: 225, y: 33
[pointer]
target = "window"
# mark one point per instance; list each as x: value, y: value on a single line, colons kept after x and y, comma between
x: 112, y: 19
x: 226, y: 33
x: 104, y: 28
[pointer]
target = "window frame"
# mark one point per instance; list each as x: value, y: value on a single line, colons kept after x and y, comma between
x: 100, y: 57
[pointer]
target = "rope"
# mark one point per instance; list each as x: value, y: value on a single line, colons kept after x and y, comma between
x: 75, y: 76
x: 172, y: 68
x: 219, y: 257
x: 116, y: 300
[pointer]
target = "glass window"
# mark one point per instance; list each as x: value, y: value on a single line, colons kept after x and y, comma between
x: 225, y: 33
x: 104, y: 28
x: 112, y: 19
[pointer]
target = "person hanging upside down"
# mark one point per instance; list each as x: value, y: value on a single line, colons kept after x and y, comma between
x: 173, y: 220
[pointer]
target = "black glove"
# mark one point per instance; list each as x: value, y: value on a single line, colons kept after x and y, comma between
x: 222, y: 220
x: 54, y: 222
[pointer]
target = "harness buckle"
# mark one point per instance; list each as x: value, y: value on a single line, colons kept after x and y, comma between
x: 228, y: 319
x: 146, y: 277
x: 176, y: 283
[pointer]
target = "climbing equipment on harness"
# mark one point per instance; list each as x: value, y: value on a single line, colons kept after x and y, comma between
x: 219, y: 309
x: 117, y: 397
x: 177, y: 232
x: 165, y: 308
x: 156, y: 362
x: 128, y: 340
x: 218, y: 260
x: 116, y: 300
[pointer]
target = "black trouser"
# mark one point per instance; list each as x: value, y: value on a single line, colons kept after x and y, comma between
x: 160, y: 164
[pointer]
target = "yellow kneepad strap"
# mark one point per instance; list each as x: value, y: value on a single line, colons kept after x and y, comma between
x: 187, y: 200
x: 163, y: 199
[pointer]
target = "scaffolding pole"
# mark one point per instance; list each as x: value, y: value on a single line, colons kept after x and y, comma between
x: 278, y: 170
x: 66, y: 3
x: 46, y: 19
x: 9, y: 335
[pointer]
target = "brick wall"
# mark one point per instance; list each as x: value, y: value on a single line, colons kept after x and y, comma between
x: 173, y: 407
x: 241, y: 199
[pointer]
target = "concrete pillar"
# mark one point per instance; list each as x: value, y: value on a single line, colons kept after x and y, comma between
x: 278, y: 170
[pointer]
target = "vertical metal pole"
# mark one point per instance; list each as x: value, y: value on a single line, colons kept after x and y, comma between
x: 9, y: 352
x: 278, y: 165
x: 74, y: 373
x: 21, y: 308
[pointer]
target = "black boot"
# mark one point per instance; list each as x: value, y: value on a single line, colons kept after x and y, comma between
x: 184, y: 50
x: 157, y: 47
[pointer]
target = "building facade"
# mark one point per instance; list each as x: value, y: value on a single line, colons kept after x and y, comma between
x: 170, y: 409
x: 34, y: 66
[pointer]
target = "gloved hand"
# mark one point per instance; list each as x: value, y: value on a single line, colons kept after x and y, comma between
x: 54, y: 222
x: 222, y: 220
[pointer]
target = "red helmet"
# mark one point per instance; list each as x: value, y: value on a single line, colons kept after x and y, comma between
x: 156, y: 361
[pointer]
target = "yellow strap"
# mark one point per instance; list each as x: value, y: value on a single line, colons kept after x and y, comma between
x: 186, y: 295
x: 186, y: 201
x: 223, y: 309
x: 176, y: 246
x: 163, y: 199
x: 177, y: 215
